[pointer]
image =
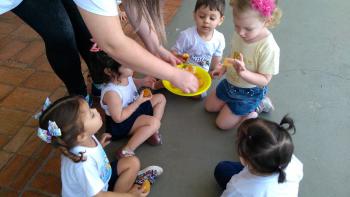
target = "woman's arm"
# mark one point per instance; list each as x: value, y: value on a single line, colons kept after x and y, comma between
x: 109, y: 35
x: 150, y: 38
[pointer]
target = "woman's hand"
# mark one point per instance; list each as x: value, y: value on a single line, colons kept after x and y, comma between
x: 105, y: 139
x: 185, y: 81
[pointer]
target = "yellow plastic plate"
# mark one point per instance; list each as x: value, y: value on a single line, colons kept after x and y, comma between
x: 201, y: 74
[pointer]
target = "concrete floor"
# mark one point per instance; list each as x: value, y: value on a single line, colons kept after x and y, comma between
x: 313, y: 87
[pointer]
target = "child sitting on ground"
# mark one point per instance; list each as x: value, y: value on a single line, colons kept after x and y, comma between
x: 70, y: 125
x: 267, y: 165
x: 127, y: 111
x: 255, y: 59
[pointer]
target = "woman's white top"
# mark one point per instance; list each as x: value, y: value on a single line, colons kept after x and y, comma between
x: 7, y: 5
x: 99, y: 7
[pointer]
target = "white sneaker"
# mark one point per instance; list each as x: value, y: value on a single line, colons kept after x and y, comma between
x: 149, y: 173
x: 265, y: 105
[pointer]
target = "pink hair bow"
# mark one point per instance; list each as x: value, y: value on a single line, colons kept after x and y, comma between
x: 265, y: 7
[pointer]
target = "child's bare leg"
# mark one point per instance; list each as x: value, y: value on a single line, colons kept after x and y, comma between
x: 127, y: 169
x: 143, y: 128
x: 226, y: 119
x: 158, y: 103
x: 213, y: 103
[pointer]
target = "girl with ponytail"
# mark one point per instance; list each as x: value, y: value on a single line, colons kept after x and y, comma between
x: 70, y: 125
x: 267, y: 165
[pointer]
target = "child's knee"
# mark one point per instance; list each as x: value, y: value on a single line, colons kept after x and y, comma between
x: 132, y: 163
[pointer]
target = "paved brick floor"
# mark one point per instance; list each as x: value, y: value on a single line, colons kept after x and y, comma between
x: 28, y: 167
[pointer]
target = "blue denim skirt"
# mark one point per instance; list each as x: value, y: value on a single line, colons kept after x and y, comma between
x: 241, y: 101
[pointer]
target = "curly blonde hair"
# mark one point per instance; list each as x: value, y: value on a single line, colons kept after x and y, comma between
x: 243, y: 5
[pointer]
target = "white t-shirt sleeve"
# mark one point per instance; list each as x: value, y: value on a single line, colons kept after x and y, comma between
x: 181, y: 44
x: 99, y: 7
x: 88, y: 179
x: 220, y: 50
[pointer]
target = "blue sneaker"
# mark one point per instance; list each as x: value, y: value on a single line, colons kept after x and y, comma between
x: 96, y: 89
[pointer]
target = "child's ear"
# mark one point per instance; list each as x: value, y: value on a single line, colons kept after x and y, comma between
x: 268, y: 21
x: 107, y: 71
x: 221, y: 20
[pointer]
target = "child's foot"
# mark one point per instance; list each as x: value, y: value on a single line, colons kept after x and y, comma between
x: 265, y: 105
x: 150, y: 173
x: 124, y: 152
x: 155, y: 139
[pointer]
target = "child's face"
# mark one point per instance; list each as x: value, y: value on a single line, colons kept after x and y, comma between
x: 207, y: 20
x: 125, y: 71
x: 249, y: 25
x: 91, y: 118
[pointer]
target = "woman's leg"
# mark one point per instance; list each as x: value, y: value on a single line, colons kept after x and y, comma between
x: 127, y: 169
x: 83, y: 39
x: 50, y: 20
x: 143, y: 128
x: 213, y: 103
x: 225, y: 170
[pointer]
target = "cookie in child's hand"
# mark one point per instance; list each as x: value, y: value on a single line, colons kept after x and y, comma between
x: 146, y: 186
x: 185, y: 56
x: 236, y: 55
x: 147, y: 92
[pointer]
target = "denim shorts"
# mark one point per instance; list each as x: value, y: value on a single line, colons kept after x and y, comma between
x: 122, y: 129
x: 241, y: 101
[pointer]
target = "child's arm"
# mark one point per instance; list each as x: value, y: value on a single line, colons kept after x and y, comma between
x: 145, y: 82
x: 118, y: 113
x: 249, y: 76
x: 215, y: 62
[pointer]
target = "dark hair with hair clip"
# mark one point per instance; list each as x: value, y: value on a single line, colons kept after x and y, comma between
x: 218, y: 5
x: 66, y: 113
x: 265, y: 145
x: 101, y: 61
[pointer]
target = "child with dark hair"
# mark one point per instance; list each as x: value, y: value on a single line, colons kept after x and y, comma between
x: 70, y: 125
x: 203, y: 43
x: 129, y: 113
x: 267, y: 165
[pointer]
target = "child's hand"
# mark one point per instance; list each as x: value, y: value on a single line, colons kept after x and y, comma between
x: 218, y: 72
x: 136, y: 190
x: 123, y: 17
x: 149, y: 82
x: 105, y: 139
x: 239, y: 64
x: 141, y: 99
